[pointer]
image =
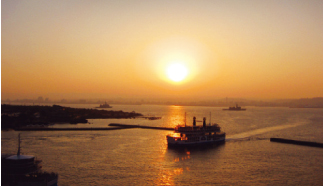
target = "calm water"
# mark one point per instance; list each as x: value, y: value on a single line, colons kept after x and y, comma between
x: 141, y: 156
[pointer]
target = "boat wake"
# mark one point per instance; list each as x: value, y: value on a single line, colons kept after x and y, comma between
x: 249, y: 134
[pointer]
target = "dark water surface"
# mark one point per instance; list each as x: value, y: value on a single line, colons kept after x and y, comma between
x: 141, y: 156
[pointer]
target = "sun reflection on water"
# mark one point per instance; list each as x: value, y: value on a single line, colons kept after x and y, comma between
x: 170, y: 166
x: 176, y: 116
x: 166, y: 177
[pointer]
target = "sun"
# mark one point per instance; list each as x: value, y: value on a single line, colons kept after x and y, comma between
x: 177, y: 72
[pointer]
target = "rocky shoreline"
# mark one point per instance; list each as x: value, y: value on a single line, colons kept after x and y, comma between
x: 17, y: 116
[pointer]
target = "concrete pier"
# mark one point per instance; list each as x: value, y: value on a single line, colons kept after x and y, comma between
x: 115, y: 126
x: 297, y: 142
x: 139, y: 126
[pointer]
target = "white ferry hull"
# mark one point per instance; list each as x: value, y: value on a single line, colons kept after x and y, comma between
x: 196, y: 136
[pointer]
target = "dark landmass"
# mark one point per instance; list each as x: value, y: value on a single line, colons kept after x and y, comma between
x: 69, y: 129
x: 17, y: 116
x: 307, y: 103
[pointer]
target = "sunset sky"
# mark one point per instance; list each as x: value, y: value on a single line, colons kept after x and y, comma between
x: 95, y: 49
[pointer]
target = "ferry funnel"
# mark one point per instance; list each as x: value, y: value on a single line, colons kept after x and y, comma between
x: 194, y: 121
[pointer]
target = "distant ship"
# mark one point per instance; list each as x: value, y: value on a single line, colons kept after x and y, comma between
x: 25, y: 170
x: 195, y: 136
x: 236, y: 108
x: 104, y: 105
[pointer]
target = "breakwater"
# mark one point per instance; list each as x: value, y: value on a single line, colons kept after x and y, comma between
x: 139, y: 126
x: 297, y: 142
x: 114, y: 126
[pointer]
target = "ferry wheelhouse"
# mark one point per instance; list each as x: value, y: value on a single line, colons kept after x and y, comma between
x: 184, y: 136
x: 25, y: 170
x: 236, y: 108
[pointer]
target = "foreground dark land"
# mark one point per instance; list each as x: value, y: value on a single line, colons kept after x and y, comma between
x: 16, y: 116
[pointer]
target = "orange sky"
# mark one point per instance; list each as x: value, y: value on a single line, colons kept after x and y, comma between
x: 96, y: 49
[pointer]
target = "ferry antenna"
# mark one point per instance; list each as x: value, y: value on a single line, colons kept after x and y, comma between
x: 18, y: 153
x: 210, y: 119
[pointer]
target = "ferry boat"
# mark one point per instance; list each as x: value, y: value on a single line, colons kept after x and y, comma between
x: 24, y: 170
x: 104, y: 105
x: 236, y: 108
x: 194, y: 136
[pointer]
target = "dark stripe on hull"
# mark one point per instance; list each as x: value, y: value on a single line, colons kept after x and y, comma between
x: 198, y: 144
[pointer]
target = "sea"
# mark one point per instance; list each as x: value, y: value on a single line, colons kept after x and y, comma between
x: 141, y: 156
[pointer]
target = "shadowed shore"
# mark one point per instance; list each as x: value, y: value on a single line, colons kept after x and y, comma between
x: 68, y: 129
x: 18, y: 116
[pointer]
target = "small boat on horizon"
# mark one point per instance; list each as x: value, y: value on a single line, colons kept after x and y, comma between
x: 104, y: 105
x: 236, y: 108
x: 196, y: 136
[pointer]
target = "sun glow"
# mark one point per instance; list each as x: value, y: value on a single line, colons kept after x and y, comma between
x: 173, y: 61
x: 177, y: 72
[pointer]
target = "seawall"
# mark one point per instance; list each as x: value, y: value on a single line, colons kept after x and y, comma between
x: 139, y: 126
x: 297, y: 142
x: 115, y: 126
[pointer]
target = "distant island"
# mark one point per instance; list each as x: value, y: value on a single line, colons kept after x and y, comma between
x: 16, y: 116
